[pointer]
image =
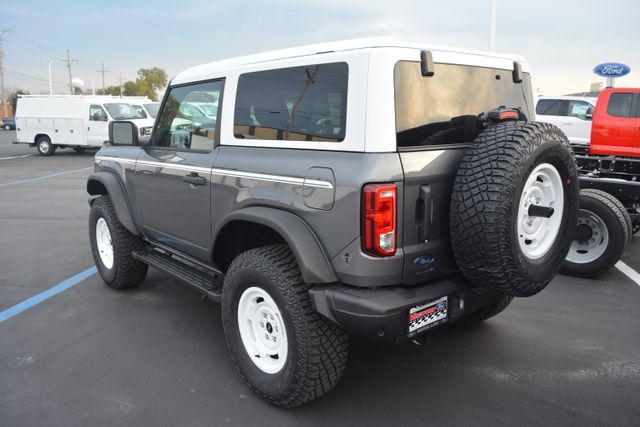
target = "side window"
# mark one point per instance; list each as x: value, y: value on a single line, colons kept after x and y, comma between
x: 138, y: 109
x: 549, y: 107
x: 579, y: 109
x: 97, y: 114
x: 183, y: 123
x: 307, y: 103
x: 620, y: 105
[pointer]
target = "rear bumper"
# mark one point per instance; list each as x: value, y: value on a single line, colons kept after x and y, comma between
x: 383, y: 313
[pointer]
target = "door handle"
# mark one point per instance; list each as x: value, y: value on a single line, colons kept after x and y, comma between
x: 194, y: 179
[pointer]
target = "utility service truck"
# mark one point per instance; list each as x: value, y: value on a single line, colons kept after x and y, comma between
x: 48, y: 122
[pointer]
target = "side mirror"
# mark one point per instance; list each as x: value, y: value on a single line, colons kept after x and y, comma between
x: 123, y: 133
x: 588, y: 116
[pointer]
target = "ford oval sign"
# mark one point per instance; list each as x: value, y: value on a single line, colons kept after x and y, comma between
x: 612, y: 69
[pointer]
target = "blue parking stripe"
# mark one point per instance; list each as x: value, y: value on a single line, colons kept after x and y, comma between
x: 39, y: 178
x: 43, y: 296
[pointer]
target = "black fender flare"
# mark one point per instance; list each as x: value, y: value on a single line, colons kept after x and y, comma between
x: 312, y: 259
x: 101, y: 183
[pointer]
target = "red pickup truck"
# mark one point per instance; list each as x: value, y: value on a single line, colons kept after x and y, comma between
x: 610, y: 185
x: 616, y: 123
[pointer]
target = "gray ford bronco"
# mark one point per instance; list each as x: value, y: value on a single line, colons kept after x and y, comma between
x: 367, y: 187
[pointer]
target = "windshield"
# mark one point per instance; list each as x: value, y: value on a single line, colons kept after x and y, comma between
x: 152, y: 109
x: 122, y: 111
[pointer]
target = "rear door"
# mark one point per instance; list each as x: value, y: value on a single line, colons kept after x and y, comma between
x: 553, y: 111
x: 616, y: 129
x: 173, y: 174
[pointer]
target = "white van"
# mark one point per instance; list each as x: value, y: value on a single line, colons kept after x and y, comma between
x: 49, y: 122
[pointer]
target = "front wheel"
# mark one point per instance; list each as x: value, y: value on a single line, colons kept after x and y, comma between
x: 286, y: 352
x: 7, y: 127
x: 112, y: 245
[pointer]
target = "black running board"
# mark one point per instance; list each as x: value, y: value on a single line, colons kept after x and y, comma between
x: 192, y: 276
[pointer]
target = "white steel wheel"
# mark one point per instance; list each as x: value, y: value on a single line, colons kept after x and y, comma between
x: 591, y: 241
x: 262, y: 330
x: 103, y: 241
x: 536, y: 232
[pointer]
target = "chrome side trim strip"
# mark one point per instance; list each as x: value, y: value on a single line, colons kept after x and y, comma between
x: 225, y: 172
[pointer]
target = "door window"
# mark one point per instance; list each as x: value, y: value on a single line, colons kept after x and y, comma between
x: 307, y: 103
x: 549, y: 107
x: 189, y: 117
x: 579, y: 109
x: 620, y: 105
x: 97, y: 114
x: 139, y: 110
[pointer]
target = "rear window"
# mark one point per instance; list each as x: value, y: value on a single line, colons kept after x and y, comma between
x: 307, y: 103
x: 444, y: 109
x: 549, y: 107
x: 620, y: 105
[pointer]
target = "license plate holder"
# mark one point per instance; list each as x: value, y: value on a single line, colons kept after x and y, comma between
x: 424, y: 316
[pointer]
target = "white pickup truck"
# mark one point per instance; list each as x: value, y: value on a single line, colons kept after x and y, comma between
x: 572, y: 114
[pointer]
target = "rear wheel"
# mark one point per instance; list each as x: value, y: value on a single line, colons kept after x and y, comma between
x: 514, y: 207
x: 7, y: 127
x: 600, y: 238
x: 286, y: 352
x: 44, y: 146
x: 614, y: 200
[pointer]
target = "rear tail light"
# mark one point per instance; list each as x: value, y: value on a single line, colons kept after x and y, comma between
x: 379, y: 231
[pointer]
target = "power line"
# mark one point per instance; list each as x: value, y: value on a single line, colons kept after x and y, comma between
x: 14, y: 73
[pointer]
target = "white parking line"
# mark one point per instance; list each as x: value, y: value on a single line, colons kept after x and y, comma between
x: 17, y: 157
x: 629, y: 272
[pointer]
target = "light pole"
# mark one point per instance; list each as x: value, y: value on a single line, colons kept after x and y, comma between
x: 492, y: 26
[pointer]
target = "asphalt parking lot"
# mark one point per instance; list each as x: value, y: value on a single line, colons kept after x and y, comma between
x: 157, y: 354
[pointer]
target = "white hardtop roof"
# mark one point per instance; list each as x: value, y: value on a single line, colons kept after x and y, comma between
x: 338, y: 46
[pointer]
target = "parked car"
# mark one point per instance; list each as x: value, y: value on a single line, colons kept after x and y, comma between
x: 367, y: 187
x: 48, y: 122
x: 8, y: 123
x: 572, y: 114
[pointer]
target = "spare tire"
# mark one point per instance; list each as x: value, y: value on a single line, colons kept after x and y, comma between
x: 514, y: 207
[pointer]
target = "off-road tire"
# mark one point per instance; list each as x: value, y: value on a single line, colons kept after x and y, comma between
x: 317, y: 352
x: 614, y: 219
x: 488, y: 311
x: 485, y: 200
x: 613, y: 199
x: 41, y: 143
x: 126, y: 272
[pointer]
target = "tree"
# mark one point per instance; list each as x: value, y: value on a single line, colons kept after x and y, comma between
x: 149, y: 81
x: 13, y: 97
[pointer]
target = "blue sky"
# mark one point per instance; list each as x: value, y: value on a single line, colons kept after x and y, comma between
x: 563, y: 40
